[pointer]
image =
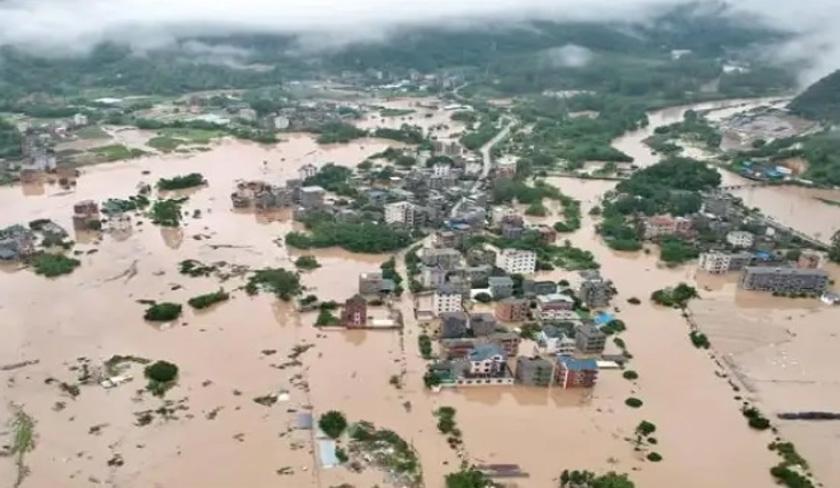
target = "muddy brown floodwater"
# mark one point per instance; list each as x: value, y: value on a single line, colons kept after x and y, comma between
x: 240, y: 350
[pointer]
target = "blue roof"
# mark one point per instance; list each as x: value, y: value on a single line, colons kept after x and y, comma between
x: 573, y: 364
x: 763, y: 255
x: 602, y: 318
x: 485, y: 352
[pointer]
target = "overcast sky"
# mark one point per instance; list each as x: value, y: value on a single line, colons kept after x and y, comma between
x: 61, y: 27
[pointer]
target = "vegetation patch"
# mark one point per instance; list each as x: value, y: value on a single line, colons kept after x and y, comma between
x: 388, y: 451
x: 307, y: 263
x: 333, y: 423
x: 425, y: 344
x: 195, y: 268
x: 52, y: 265
x: 201, y: 302
x: 182, y: 182
x: 23, y: 441
x: 167, y: 213
x: 282, y: 283
x: 162, y: 376
x: 633, y: 402
x: 699, y: 340
x: 117, y: 152
x: 755, y: 418
x: 365, y: 237
x: 588, y: 479
x: 677, y: 297
x: 163, y: 312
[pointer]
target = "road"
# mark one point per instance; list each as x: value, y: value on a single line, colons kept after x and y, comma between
x: 487, y: 160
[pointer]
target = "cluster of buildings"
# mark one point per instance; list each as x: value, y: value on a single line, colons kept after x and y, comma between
x: 735, y: 240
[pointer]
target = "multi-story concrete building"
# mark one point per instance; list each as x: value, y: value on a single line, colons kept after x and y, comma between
x: 445, y: 258
x: 500, y: 286
x: 16, y: 242
x: 400, y: 213
x: 512, y: 310
x: 533, y: 288
x: 307, y: 171
x: 482, y: 324
x: 590, y: 340
x: 740, y: 239
x: 453, y: 325
x: 556, y: 306
x: 663, y: 225
x: 441, y: 170
x: 576, y: 373
x: 312, y: 197
x: 432, y: 276
x: 595, y: 291
x: 785, y: 280
x: 447, y: 299
x: 374, y: 283
x: 535, y: 371
x: 555, y: 340
x: 487, y: 360
x: 717, y: 262
x: 517, y: 261
x: 809, y: 259
x: 460, y: 347
x: 354, y: 313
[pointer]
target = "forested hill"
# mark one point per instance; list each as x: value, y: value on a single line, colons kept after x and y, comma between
x: 821, y: 101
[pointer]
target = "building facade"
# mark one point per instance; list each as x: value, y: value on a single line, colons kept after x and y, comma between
x: 534, y: 371
x: 785, y: 280
x: 512, y: 310
x: 447, y: 299
x: 354, y: 313
x: 517, y: 261
x: 400, y: 213
x: 576, y: 373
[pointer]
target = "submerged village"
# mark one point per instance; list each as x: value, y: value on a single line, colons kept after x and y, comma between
x: 353, y: 289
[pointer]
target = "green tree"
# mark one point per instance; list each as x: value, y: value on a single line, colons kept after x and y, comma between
x: 467, y: 478
x: 333, y: 423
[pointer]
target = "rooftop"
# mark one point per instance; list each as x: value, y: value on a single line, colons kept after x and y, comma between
x: 574, y: 364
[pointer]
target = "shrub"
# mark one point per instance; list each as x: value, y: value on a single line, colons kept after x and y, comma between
x: 424, y: 342
x: 333, y: 423
x: 161, y: 376
x: 630, y: 375
x: 633, y: 402
x: 208, y: 299
x: 483, y: 297
x: 654, y: 457
x: 181, y: 182
x: 163, y: 312
x: 307, y: 263
x: 645, y: 428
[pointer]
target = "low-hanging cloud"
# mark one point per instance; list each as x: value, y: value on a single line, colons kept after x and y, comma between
x: 72, y: 27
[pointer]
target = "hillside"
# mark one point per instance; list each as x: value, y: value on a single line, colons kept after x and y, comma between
x: 821, y: 101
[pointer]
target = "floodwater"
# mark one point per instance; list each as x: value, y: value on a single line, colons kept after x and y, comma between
x: 240, y: 350
x: 222, y: 438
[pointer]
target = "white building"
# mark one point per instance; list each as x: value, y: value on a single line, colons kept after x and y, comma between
x: 447, y: 299
x: 740, y: 238
x: 517, y: 261
x: 715, y: 262
x: 441, y: 170
x: 720, y: 262
x: 281, y: 122
x: 487, y: 360
x: 307, y: 171
x: 400, y: 213
x: 80, y: 120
